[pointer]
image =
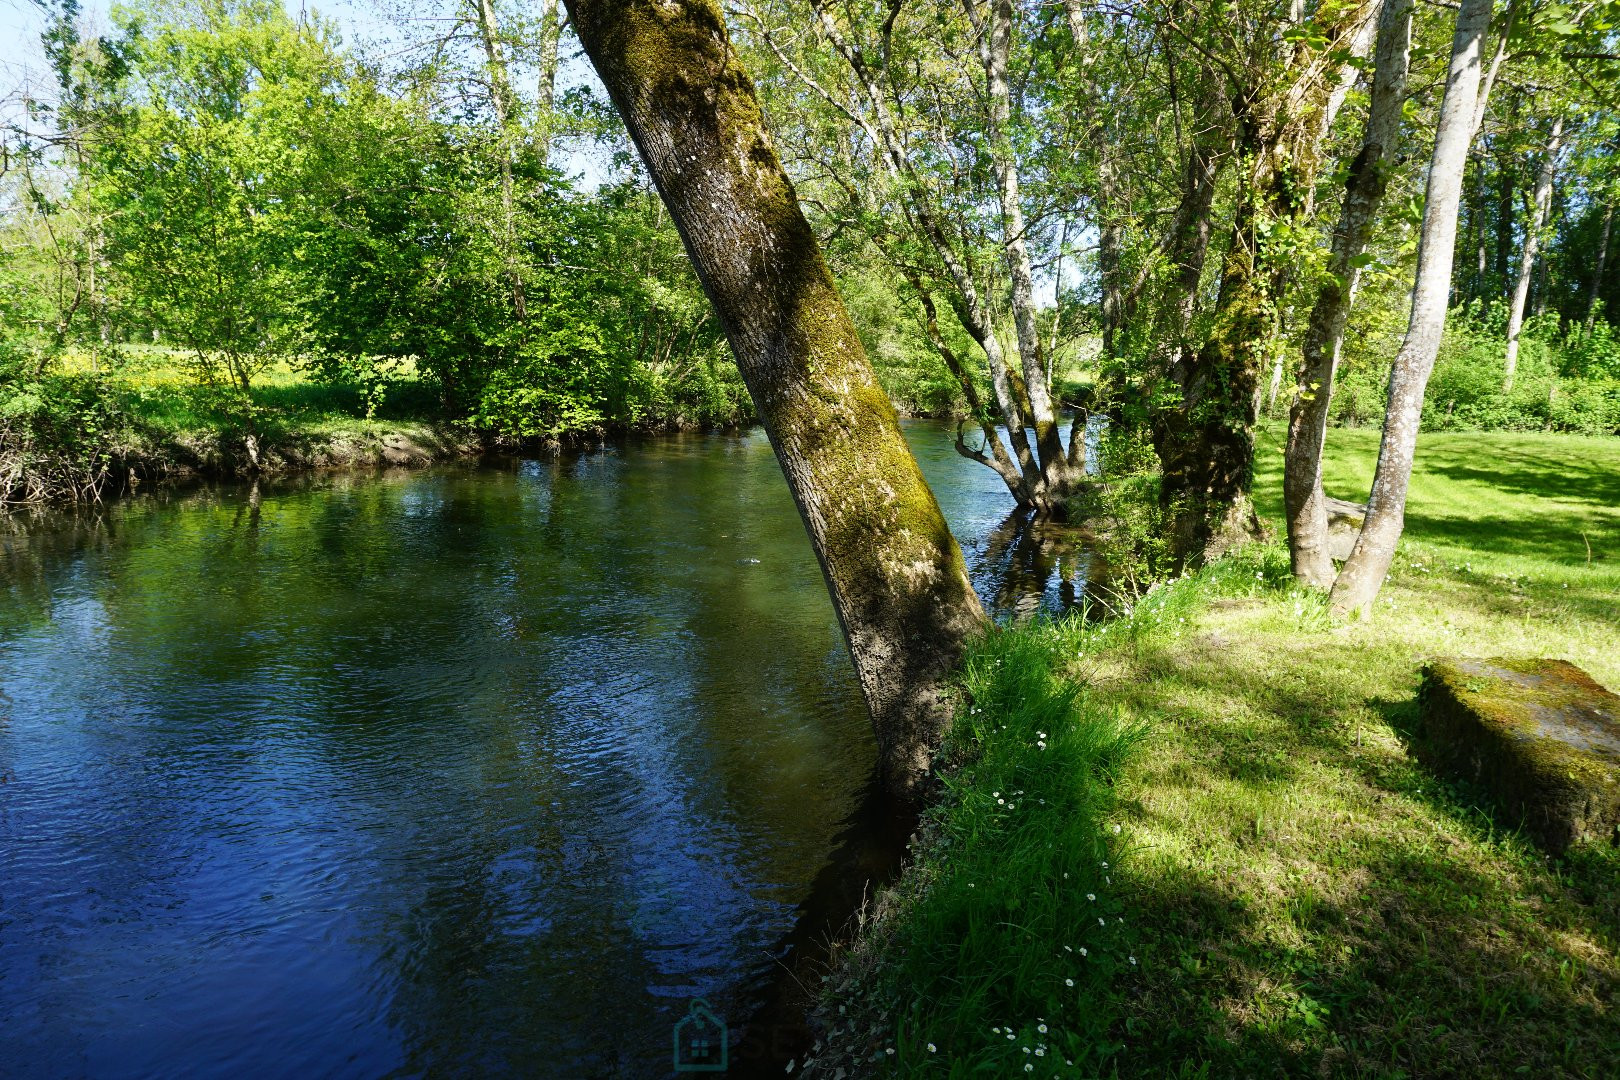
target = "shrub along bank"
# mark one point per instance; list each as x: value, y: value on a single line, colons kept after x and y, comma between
x: 1288, y: 893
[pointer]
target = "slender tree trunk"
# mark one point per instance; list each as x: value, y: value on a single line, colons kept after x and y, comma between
x: 500, y: 92
x: 894, y: 572
x: 969, y: 306
x: 995, y: 43
x: 1363, y: 575
x: 1304, y: 503
x: 550, y: 32
x: 1597, y: 272
x: 1505, y: 217
x: 1527, y: 257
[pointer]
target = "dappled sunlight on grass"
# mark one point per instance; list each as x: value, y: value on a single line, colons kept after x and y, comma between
x: 1320, y: 902
x: 1303, y: 898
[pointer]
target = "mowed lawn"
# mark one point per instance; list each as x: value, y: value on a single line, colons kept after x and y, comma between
x: 1313, y: 899
x: 1298, y: 896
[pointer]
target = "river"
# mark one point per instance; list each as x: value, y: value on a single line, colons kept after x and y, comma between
x: 478, y: 770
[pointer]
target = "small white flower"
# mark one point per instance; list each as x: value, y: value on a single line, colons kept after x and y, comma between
x: 1133, y: 960
x: 1029, y: 1066
x: 1067, y: 948
x: 1102, y: 922
x: 1090, y: 895
x: 1025, y: 1049
x: 932, y: 1049
x: 1116, y: 833
x: 1083, y: 952
x: 1041, y: 1028
x: 889, y: 1050
x: 1068, y: 982
x: 1040, y: 1051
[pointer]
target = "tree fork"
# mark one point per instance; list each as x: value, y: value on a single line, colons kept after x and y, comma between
x: 894, y: 571
x: 1304, y: 502
x: 1364, y: 572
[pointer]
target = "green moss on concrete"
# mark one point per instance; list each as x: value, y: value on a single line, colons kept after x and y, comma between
x: 1540, y: 734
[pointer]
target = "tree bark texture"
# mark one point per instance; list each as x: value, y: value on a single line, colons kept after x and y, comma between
x: 1304, y: 503
x: 1364, y: 572
x: 1527, y: 256
x: 995, y: 44
x: 894, y: 572
x: 1206, y: 441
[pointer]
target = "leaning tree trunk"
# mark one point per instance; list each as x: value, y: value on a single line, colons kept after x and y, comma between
x: 895, y: 573
x: 1527, y: 257
x: 1304, y: 503
x: 1369, y: 561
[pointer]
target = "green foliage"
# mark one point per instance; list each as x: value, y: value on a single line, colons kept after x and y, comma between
x: 1009, y: 921
x: 1301, y: 897
x: 1564, y: 383
x: 60, y: 433
x: 1126, y: 514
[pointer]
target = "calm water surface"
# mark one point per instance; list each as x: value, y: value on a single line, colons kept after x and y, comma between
x: 472, y: 771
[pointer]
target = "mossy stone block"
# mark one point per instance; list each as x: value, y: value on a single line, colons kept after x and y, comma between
x: 1540, y: 735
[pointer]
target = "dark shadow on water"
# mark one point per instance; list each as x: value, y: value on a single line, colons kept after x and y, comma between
x: 870, y: 853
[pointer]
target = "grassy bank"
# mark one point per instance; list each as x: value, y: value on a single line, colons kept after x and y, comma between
x: 1288, y: 892
x: 79, y: 427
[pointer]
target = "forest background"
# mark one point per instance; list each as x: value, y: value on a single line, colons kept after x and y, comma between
x: 227, y: 229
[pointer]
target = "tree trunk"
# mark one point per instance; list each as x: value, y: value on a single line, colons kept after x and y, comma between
x: 1363, y: 574
x: 1012, y: 395
x: 894, y: 572
x: 550, y: 32
x: 500, y: 93
x: 995, y: 43
x: 1505, y: 217
x: 1304, y: 503
x: 1527, y: 258
x: 1597, y: 272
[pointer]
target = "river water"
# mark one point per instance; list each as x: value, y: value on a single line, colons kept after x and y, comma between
x: 479, y: 770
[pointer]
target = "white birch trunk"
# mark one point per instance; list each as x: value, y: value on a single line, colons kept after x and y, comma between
x: 1363, y: 574
x: 1527, y: 257
x: 1304, y: 502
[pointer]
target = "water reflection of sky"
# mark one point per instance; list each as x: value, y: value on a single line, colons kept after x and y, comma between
x: 465, y: 771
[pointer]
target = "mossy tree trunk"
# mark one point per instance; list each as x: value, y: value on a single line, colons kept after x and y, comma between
x: 1303, y: 499
x: 1364, y: 572
x: 894, y: 571
x: 1205, y: 441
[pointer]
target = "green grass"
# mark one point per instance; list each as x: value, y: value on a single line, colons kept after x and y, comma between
x: 1301, y: 898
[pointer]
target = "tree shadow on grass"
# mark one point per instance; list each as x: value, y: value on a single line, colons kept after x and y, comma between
x: 1526, y: 473
x: 1375, y: 923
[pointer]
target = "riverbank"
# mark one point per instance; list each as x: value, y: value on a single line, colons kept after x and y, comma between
x: 1287, y: 892
x: 79, y: 432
